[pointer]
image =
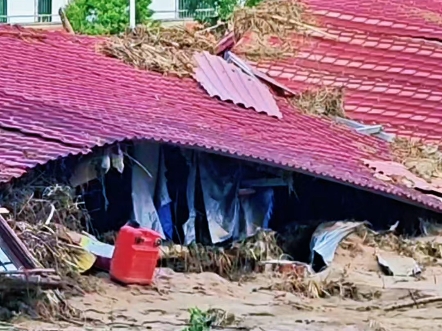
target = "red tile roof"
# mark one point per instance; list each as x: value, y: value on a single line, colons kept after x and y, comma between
x: 390, y: 73
x: 20, y: 152
x: 56, y: 88
x: 416, y: 18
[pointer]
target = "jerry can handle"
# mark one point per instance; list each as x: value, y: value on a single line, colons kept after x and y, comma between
x: 140, y: 240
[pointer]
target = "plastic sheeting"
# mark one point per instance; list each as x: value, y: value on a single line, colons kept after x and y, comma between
x: 256, y: 212
x: 394, y: 264
x: 148, y: 181
x: 189, y: 226
x: 220, y: 184
x: 327, y: 236
x: 228, y: 215
x: 162, y: 200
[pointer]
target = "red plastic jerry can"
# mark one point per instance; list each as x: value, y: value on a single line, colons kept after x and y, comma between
x: 135, y: 256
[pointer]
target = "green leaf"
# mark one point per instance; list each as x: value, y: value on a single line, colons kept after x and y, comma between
x: 111, y: 16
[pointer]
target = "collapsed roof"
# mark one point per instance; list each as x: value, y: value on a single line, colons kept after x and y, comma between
x: 59, y: 95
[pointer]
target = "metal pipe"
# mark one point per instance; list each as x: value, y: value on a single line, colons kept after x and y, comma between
x: 132, y: 22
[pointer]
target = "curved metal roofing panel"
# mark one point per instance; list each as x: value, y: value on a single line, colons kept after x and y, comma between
x: 230, y: 83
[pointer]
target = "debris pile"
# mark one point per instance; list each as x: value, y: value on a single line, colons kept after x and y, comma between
x: 270, y: 24
x: 274, y: 29
x: 326, y: 102
x: 170, y: 50
x: 314, y: 286
x: 424, y: 160
x: 164, y: 50
x: 228, y: 262
x: 426, y: 252
x: 41, y: 203
x: 39, y: 216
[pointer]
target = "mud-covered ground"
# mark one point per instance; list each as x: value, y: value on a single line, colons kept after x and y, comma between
x: 166, y: 306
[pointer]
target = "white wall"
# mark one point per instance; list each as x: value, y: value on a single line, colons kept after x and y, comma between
x: 164, y: 9
x: 56, y: 5
x: 25, y: 11
x: 21, y: 11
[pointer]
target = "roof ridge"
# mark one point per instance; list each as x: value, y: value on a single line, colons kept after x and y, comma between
x: 19, y: 32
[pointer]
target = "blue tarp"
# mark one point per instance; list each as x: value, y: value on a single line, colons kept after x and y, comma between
x: 149, y: 181
x: 229, y: 216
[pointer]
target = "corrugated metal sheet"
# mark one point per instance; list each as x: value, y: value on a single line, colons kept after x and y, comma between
x: 390, y: 73
x: 230, y: 83
x: 253, y: 71
x: 58, y: 89
x: 327, y: 237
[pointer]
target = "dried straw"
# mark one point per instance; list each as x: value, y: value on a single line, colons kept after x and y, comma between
x: 231, y: 262
x: 164, y: 50
x: 424, y: 160
x: 314, y: 288
x: 36, y: 213
x: 321, y: 102
x: 425, y: 252
x: 271, y: 23
x: 46, y: 246
x: 170, y: 50
x: 42, y: 203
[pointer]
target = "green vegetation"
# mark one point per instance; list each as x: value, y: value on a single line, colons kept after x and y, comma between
x: 206, y: 320
x: 105, y: 17
x: 199, y: 320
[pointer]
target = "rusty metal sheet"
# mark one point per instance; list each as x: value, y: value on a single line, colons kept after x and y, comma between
x: 230, y: 83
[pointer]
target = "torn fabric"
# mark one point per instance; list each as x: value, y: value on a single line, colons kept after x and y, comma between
x: 189, y: 226
x: 118, y: 160
x: 220, y: 180
x: 163, y: 201
x: 256, y: 210
x: 144, y: 180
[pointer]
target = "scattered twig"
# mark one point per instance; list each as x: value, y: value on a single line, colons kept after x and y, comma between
x: 138, y: 163
x: 416, y: 302
x: 51, y: 214
x: 28, y: 272
x: 65, y: 21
